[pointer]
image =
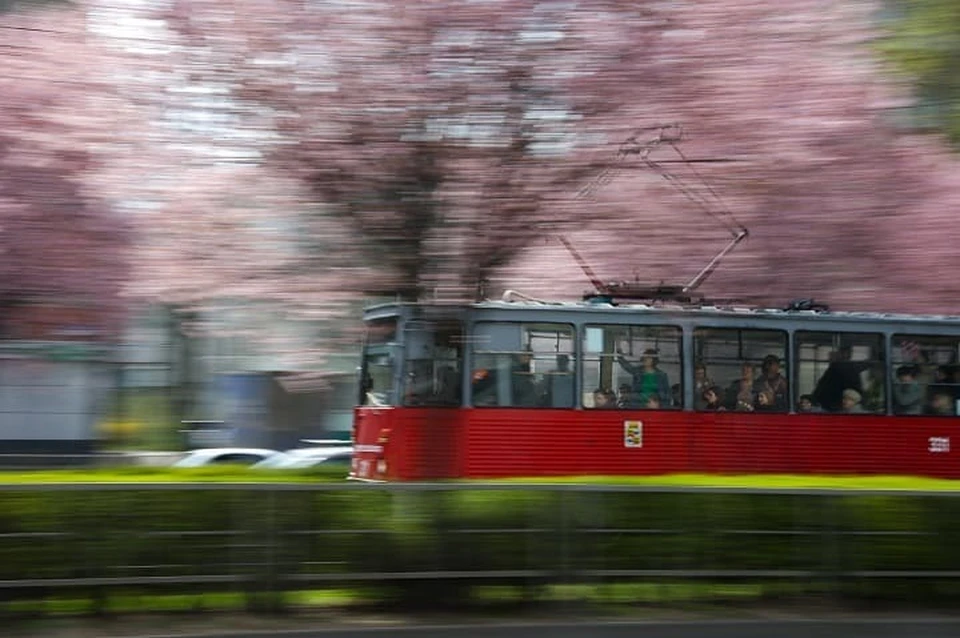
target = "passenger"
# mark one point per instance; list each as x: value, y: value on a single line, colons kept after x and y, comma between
x: 369, y: 396
x: 941, y: 381
x: 955, y: 380
x: 766, y: 402
x: 701, y: 383
x: 522, y: 382
x: 484, y: 387
x: 604, y: 399
x: 907, y: 393
x: 449, y: 390
x: 648, y: 379
x: 774, y: 383
x: 611, y: 398
x: 711, y: 400
x: 842, y: 374
x: 741, y: 395
x: 558, y: 390
x: 941, y: 405
x: 850, y: 402
x: 653, y: 402
x: 807, y: 404
x: 626, y: 398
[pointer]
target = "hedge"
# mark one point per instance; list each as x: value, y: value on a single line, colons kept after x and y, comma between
x: 440, y: 544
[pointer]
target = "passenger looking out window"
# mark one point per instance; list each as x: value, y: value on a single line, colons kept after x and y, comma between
x: 741, y: 395
x: 626, y: 399
x: 850, y: 402
x: 604, y: 399
x: 765, y: 401
x: 941, y: 405
x: 648, y: 379
x: 907, y: 392
x: 701, y: 383
x: 711, y: 400
x: 773, y: 383
x: 807, y: 404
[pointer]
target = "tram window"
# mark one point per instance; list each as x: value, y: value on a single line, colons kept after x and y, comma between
x: 379, y: 331
x: 842, y: 371
x: 925, y: 374
x: 432, y: 369
x: 742, y: 370
x: 523, y: 365
x: 632, y: 367
x: 376, y: 387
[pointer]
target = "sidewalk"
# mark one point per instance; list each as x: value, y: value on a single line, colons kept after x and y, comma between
x: 650, y: 623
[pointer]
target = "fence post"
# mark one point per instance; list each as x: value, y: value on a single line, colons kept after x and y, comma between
x: 564, y: 534
x: 831, y: 544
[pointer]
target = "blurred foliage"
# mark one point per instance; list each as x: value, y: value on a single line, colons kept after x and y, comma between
x: 282, y: 541
x: 923, y: 41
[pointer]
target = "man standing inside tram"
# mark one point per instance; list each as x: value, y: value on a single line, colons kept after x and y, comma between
x: 842, y: 374
x: 524, y: 389
x: 648, y: 379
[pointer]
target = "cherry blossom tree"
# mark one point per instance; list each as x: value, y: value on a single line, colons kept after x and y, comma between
x: 63, y: 251
x: 449, y: 141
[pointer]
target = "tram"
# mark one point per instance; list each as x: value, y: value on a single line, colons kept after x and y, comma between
x: 524, y: 388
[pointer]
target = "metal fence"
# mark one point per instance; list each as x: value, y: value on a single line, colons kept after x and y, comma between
x: 446, y: 539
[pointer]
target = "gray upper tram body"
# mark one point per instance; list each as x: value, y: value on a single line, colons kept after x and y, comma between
x: 686, y: 317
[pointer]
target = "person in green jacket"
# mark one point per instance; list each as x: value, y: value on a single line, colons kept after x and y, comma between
x: 648, y: 379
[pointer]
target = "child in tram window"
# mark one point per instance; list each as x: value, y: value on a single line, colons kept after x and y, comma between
x: 701, y: 383
x: 772, y: 382
x: 711, y: 400
x: 907, y: 393
x: 850, y: 402
x: 941, y: 405
x: 806, y: 404
x: 653, y: 402
x: 765, y: 402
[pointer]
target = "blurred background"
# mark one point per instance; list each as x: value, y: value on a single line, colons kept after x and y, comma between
x: 198, y: 196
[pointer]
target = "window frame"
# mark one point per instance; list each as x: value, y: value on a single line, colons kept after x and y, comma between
x: 838, y: 336
x: 455, y: 341
x: 893, y: 365
x: 679, y: 379
x: 784, y: 357
x: 569, y: 328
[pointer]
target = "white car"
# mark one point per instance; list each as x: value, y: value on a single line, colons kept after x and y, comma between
x: 224, y: 455
x: 308, y: 457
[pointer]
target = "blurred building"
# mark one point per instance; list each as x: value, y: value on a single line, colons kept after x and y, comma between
x: 212, y: 372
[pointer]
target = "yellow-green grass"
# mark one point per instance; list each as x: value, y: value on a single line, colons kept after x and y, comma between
x: 755, y: 481
x: 240, y: 474
x: 212, y: 474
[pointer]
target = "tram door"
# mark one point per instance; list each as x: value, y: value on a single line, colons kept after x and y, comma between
x: 374, y: 415
x: 431, y: 388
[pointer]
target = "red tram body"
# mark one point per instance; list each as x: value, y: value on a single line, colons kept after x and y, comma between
x: 428, y: 409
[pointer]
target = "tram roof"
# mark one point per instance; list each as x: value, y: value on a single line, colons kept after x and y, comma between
x: 669, y: 309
